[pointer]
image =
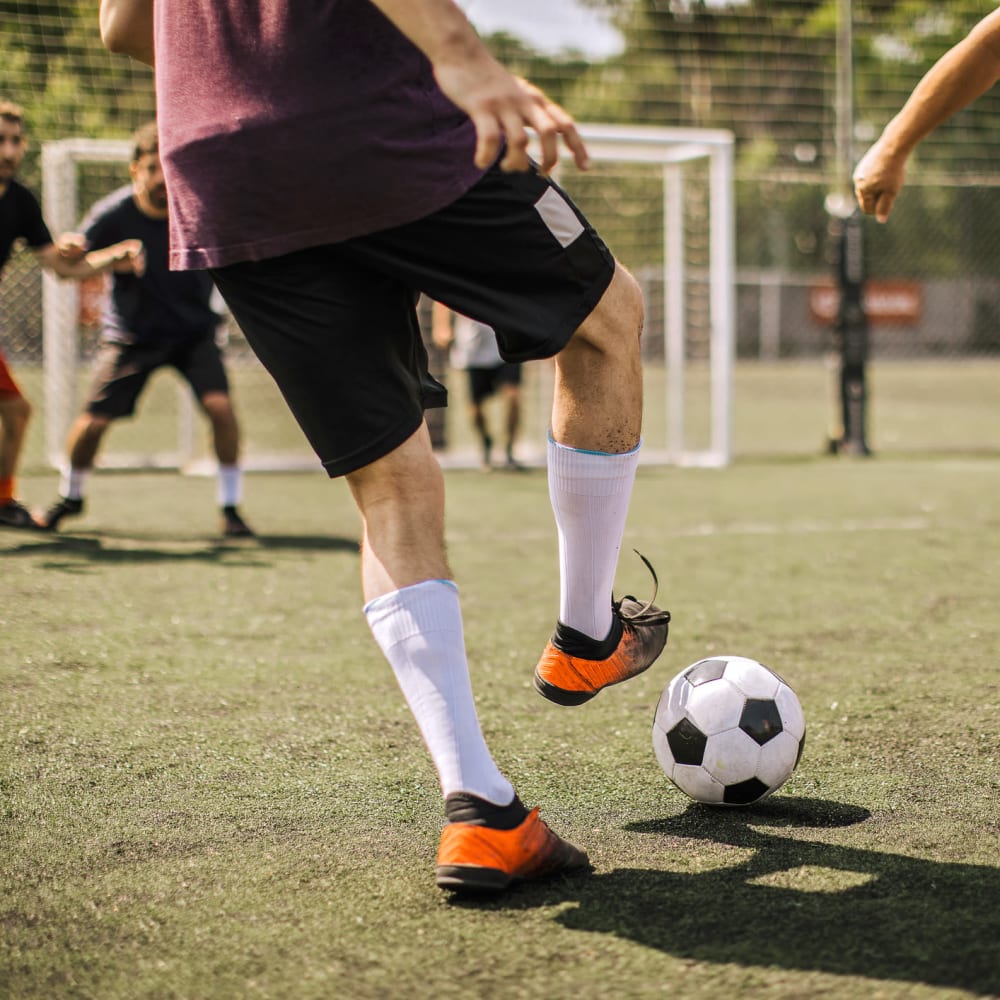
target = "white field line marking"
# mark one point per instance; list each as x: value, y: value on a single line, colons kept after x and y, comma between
x: 848, y: 526
x: 709, y: 529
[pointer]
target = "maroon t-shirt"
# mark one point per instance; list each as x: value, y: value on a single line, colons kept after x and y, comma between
x: 286, y: 124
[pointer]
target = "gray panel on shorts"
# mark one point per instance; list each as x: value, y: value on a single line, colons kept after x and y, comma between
x: 559, y: 217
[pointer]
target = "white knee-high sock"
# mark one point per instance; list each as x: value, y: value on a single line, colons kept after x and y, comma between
x: 229, y: 485
x: 419, y: 629
x: 72, y: 482
x: 590, y: 493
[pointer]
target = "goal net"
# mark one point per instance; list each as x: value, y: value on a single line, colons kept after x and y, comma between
x: 662, y: 199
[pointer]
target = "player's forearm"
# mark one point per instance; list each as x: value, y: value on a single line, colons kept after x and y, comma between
x: 90, y: 264
x: 127, y: 27
x: 961, y: 75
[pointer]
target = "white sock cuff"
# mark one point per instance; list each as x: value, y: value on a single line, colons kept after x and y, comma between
x: 591, y: 473
x: 72, y: 481
x: 230, y: 485
x: 428, y: 606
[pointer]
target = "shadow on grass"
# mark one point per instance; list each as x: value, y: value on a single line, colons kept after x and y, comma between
x: 71, y: 551
x: 794, y: 904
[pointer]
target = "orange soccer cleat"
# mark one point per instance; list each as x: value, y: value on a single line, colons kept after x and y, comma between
x: 477, y: 858
x: 574, y: 667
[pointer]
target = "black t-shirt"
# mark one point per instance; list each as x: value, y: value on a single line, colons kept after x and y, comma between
x: 162, y: 304
x: 20, y: 218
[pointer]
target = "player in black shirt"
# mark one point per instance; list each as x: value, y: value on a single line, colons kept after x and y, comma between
x: 21, y: 220
x: 152, y: 320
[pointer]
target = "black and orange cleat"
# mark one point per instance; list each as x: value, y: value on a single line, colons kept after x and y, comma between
x: 493, y: 849
x: 574, y: 667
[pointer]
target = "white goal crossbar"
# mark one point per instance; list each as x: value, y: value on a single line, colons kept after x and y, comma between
x: 669, y: 150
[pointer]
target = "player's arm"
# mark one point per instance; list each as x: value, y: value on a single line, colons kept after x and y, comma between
x: 124, y: 256
x: 962, y: 74
x: 127, y: 27
x: 500, y: 104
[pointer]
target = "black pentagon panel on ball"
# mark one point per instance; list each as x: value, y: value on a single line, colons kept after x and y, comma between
x: 760, y: 720
x: 704, y: 671
x: 687, y: 742
x: 744, y: 792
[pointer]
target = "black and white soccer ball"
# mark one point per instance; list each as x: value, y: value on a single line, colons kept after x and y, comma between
x: 728, y: 731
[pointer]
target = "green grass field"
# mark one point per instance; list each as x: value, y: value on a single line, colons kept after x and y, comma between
x: 210, y: 787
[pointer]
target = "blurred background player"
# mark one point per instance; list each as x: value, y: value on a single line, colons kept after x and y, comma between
x: 474, y: 350
x: 21, y: 219
x: 150, y: 321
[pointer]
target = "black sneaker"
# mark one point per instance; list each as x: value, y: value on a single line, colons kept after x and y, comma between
x: 15, y: 515
x: 233, y: 526
x: 63, y: 507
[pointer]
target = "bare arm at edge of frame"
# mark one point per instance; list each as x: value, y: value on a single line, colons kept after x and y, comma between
x: 963, y: 73
x: 127, y: 28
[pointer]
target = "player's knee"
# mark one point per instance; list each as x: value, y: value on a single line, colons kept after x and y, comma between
x: 614, y: 326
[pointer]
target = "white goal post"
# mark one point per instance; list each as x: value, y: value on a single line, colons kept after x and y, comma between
x: 670, y: 149
x: 679, y: 184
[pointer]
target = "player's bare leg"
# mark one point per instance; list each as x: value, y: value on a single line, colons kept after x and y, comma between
x: 597, y: 404
x: 401, y: 501
x: 512, y: 400
x: 82, y: 445
x: 478, y: 412
x: 15, y: 412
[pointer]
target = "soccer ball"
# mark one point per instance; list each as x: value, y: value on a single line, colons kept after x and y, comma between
x: 728, y: 731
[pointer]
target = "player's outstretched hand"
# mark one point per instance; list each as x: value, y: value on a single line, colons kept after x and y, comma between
x: 71, y: 246
x: 878, y: 178
x: 503, y: 106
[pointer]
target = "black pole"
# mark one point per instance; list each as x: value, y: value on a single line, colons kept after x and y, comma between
x: 851, y: 336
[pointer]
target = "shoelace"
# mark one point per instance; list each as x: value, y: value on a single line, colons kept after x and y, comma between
x: 647, y: 614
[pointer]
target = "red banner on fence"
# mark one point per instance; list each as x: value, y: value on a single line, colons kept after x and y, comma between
x: 900, y: 303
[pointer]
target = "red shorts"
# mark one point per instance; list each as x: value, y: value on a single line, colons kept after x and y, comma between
x: 8, y: 387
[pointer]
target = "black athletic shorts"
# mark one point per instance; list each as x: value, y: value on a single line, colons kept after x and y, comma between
x: 484, y: 382
x: 121, y: 371
x: 336, y: 325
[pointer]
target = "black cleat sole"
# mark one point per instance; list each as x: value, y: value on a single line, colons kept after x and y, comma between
x: 559, y: 695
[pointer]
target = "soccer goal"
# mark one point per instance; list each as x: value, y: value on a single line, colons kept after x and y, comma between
x: 662, y: 198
